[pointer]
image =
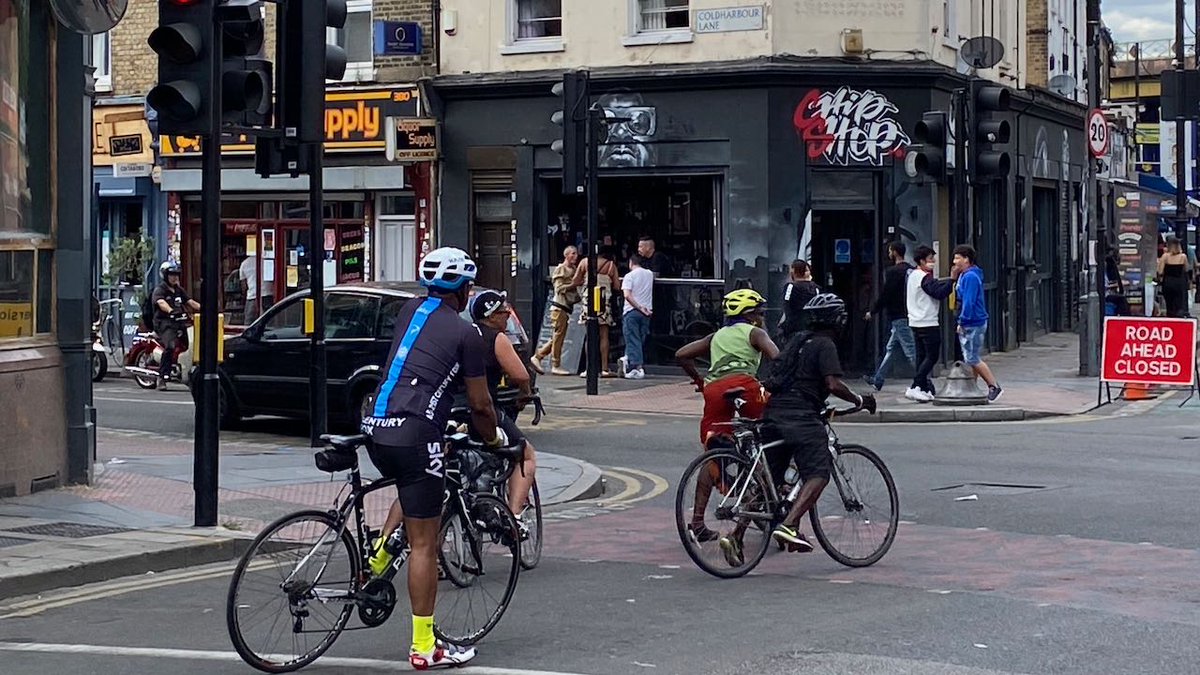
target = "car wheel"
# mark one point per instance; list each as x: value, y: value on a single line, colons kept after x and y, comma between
x: 362, y: 403
x: 227, y: 412
x: 99, y: 366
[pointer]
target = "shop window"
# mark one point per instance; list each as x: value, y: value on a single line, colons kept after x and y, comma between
x: 660, y: 15
x: 357, y: 38
x: 16, y: 294
x: 538, y: 19
x: 287, y: 323
x: 102, y: 62
x: 349, y: 316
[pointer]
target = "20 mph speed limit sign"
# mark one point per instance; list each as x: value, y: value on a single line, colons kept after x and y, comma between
x: 1097, y: 133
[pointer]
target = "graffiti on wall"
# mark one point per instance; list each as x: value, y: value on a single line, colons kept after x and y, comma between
x: 850, y: 126
x: 631, y: 128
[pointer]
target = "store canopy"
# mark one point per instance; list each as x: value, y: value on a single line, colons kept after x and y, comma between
x: 1155, y: 182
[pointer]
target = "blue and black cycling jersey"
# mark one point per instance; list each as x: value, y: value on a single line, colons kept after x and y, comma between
x: 433, y: 352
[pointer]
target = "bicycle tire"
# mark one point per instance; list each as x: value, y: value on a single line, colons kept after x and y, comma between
x: 893, y: 519
x: 685, y: 503
x: 531, y: 548
x: 233, y: 623
x: 450, y: 552
x: 489, y: 522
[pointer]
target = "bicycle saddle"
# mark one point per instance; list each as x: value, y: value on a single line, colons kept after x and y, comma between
x: 734, y: 394
x: 345, y: 443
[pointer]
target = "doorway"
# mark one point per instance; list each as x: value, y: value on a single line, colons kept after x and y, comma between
x: 492, y: 237
x: 843, y: 252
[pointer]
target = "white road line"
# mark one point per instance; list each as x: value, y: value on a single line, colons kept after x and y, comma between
x: 114, y: 399
x: 198, y: 655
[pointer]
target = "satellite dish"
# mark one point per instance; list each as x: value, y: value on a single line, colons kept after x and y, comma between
x: 1064, y: 85
x: 982, y: 52
x: 89, y: 17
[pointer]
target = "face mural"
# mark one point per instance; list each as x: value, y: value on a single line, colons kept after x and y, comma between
x: 631, y: 127
x: 850, y: 126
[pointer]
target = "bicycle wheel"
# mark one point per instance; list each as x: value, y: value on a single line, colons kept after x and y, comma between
x: 723, y: 509
x: 857, y: 523
x: 489, y: 561
x: 531, y: 548
x: 453, y: 551
x: 291, y: 593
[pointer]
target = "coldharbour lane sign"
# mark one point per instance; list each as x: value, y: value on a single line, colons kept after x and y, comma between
x: 1145, y: 350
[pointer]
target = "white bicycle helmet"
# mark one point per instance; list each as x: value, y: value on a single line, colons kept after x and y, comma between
x: 447, y: 269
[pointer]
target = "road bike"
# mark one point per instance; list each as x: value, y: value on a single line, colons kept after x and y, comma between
x: 730, y: 491
x: 307, y: 574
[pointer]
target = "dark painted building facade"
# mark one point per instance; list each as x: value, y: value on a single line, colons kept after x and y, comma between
x: 735, y: 169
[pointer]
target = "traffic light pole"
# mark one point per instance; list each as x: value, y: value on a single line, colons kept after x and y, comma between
x: 594, y: 115
x: 961, y: 194
x: 318, y: 395
x: 1181, y: 123
x: 206, y: 461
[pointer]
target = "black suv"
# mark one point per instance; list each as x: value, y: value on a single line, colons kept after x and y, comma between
x: 266, y: 367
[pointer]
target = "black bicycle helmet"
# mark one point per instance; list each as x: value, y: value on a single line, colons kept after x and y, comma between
x: 826, y: 310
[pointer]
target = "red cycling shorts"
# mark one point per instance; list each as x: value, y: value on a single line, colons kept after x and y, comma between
x: 717, y: 409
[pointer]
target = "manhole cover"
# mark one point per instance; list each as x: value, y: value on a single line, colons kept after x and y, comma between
x: 997, y: 489
x: 68, y: 530
x: 13, y: 541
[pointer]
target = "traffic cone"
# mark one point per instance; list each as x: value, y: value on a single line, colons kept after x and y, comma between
x: 1137, y: 392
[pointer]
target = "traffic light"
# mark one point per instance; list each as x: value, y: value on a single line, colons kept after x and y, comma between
x: 986, y: 132
x: 573, y: 91
x: 306, y: 61
x: 183, y: 41
x: 931, y: 134
x: 245, y: 72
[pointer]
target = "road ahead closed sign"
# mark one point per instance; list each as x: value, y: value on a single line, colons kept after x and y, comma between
x: 1149, y: 350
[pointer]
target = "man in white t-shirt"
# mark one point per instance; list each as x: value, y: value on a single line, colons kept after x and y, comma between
x: 638, y: 287
x: 248, y: 272
x: 925, y: 321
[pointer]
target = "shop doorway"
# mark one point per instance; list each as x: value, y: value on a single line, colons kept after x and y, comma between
x: 843, y: 250
x: 492, y: 239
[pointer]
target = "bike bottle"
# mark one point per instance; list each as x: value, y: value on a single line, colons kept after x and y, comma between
x: 396, y: 542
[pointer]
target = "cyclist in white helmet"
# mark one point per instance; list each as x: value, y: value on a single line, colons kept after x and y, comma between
x: 433, y: 353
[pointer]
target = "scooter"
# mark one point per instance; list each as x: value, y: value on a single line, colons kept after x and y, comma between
x: 99, y: 355
x: 145, y: 356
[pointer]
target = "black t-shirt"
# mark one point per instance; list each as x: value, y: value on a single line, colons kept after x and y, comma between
x: 660, y: 264
x: 818, y: 359
x: 495, y: 372
x: 433, y: 352
x: 175, y: 296
x: 795, y: 297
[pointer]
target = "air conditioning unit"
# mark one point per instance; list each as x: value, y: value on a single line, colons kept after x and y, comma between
x: 852, y: 41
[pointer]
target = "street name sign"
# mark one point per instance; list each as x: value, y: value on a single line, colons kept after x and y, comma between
x: 730, y: 19
x: 1148, y: 350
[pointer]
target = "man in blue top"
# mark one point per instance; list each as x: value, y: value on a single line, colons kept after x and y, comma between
x: 973, y: 316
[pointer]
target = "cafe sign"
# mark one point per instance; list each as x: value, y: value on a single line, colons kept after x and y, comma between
x: 412, y: 139
x: 355, y: 121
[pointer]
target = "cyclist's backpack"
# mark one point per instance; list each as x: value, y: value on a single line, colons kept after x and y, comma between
x: 148, y: 311
x: 782, y: 376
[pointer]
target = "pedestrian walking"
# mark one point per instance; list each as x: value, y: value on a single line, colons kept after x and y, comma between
x: 973, y: 316
x: 893, y: 305
x: 1173, y: 276
x: 924, y: 321
x: 607, y: 280
x: 800, y: 289
x: 638, y: 288
x: 566, y: 296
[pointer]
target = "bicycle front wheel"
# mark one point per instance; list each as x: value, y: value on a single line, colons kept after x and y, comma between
x: 531, y: 548
x: 482, y: 563
x: 723, y: 512
x: 856, y: 518
x: 292, y: 592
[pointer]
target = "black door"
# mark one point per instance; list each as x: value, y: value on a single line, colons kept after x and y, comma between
x: 350, y: 349
x: 843, y: 257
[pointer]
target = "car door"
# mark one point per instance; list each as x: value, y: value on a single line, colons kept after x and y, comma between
x: 350, y: 352
x: 269, y: 369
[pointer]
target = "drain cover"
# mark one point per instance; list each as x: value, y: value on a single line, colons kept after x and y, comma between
x: 998, y: 489
x: 68, y: 530
x: 13, y: 541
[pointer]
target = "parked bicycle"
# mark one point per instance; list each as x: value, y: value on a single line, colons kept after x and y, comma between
x: 304, y: 576
x: 732, y: 490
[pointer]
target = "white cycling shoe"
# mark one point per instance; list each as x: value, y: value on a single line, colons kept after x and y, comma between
x: 443, y: 656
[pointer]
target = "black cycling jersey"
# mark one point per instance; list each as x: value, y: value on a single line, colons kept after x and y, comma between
x: 433, y: 352
x: 495, y: 372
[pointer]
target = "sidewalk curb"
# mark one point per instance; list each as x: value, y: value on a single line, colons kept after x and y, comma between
x: 185, y: 555
x: 588, y: 486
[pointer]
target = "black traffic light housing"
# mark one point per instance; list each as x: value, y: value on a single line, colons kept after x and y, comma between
x: 246, y: 77
x: 184, y: 43
x: 306, y: 61
x: 932, y: 135
x: 987, y: 131
x: 572, y: 117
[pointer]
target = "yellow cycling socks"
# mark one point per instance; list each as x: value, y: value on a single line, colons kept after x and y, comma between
x: 423, y: 641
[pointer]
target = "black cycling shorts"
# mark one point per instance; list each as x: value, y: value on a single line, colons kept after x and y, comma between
x: 413, y: 455
x: 804, y: 441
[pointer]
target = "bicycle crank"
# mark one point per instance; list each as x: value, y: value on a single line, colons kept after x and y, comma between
x: 376, y: 602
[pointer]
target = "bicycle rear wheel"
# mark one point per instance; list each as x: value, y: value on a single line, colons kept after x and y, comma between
x: 723, y: 512
x: 531, y: 548
x: 292, y: 592
x: 482, y: 564
x: 856, y: 522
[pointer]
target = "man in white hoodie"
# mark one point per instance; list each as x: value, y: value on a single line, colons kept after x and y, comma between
x: 923, y: 319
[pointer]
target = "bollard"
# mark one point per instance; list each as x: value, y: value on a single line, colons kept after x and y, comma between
x: 961, y: 388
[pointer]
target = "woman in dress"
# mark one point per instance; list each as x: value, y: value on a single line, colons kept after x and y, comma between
x: 1173, y: 277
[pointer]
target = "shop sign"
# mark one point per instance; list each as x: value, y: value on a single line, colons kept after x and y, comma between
x: 413, y: 140
x: 120, y: 134
x: 354, y: 122
x: 123, y: 146
x: 397, y: 38
x: 353, y: 249
x: 730, y: 19
x: 16, y: 319
x: 138, y: 170
x: 850, y: 126
x: 1149, y: 350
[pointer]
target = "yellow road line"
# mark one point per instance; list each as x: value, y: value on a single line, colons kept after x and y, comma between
x: 658, y: 483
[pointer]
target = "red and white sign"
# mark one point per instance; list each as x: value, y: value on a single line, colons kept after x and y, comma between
x: 1097, y: 133
x: 1144, y: 350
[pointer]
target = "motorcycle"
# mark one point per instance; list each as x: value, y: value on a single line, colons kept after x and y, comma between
x: 99, y: 354
x: 145, y: 355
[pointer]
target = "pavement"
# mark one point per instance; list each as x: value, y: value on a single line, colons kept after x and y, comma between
x: 1040, y: 379
x: 136, y: 516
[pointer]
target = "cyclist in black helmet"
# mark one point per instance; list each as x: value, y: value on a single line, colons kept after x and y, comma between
x: 806, y: 373
x: 171, y: 304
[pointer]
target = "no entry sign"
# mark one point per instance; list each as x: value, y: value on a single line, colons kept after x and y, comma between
x: 1148, y: 350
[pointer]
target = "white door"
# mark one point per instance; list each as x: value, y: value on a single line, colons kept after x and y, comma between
x: 397, y: 248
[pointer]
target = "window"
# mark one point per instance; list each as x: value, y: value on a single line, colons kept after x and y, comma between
x: 658, y: 15
x: 102, y: 61
x: 358, y: 39
x: 349, y: 317
x: 537, y: 19
x: 287, y: 323
x: 950, y: 23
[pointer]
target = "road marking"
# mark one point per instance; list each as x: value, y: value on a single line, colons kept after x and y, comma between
x: 660, y: 484
x: 199, y: 655
x: 115, y: 399
x: 624, y: 500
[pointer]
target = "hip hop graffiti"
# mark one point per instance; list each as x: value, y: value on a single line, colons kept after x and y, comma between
x: 850, y: 126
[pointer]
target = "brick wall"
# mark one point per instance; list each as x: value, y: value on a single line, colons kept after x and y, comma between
x: 406, y: 68
x: 1037, y: 60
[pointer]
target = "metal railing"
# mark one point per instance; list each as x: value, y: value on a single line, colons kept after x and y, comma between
x: 1150, y: 50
